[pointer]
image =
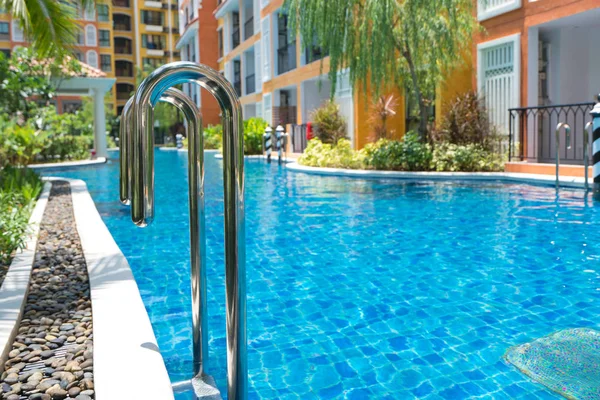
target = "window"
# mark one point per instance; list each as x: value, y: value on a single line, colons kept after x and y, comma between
x: 103, y: 13
x: 90, y: 35
x: 4, y: 31
x: 80, y: 39
x: 92, y: 58
x: 286, y: 46
x: 105, y: 62
x: 79, y: 56
x: 104, y: 38
x: 153, y: 42
x: 89, y: 14
x: 235, y: 30
x: 266, y: 48
x: 17, y: 32
x: 152, y: 17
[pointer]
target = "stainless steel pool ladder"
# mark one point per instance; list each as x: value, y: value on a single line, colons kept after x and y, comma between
x: 567, y: 128
x: 137, y: 187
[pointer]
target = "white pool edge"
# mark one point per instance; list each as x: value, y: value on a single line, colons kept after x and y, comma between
x: 15, y: 287
x: 564, y: 181
x: 68, y: 164
x: 127, y: 360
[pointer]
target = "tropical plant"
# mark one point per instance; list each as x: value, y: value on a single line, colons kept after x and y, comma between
x: 340, y: 155
x: 27, y: 81
x: 330, y: 125
x: 410, y: 44
x: 408, y: 154
x: 213, y: 137
x: 19, y: 187
x: 50, y: 25
x: 383, y: 108
x: 254, y: 130
x: 469, y: 158
x: 466, y: 122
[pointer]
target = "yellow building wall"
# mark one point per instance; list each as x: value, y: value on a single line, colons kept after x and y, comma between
x: 459, y: 82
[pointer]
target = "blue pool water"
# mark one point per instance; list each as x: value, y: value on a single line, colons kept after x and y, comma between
x: 368, y: 289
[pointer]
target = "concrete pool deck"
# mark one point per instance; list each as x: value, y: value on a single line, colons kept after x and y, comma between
x: 564, y: 181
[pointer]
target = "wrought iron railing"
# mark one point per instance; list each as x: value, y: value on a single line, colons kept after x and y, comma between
x: 249, y: 28
x: 531, y: 132
x: 250, y: 83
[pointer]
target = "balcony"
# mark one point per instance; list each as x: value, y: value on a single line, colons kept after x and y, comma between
x: 122, y: 22
x: 250, y: 84
x: 121, y: 3
x: 153, y: 4
x: 286, y: 58
x: 249, y: 28
x: 123, y: 46
x: 123, y: 69
x: 124, y: 91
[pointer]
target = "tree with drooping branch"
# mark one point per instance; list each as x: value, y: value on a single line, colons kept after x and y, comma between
x: 409, y: 45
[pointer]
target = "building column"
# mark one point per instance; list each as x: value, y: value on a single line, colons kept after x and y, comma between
x: 99, y: 124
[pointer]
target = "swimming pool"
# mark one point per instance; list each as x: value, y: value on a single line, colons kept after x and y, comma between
x: 367, y: 289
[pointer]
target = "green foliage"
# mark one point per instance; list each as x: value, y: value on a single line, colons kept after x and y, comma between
x: 467, y: 158
x: 466, y: 122
x: 50, y: 25
x: 330, y: 125
x: 19, y: 144
x: 19, y: 187
x: 213, y: 137
x: 26, y: 81
x: 408, y: 154
x: 319, y: 154
x: 254, y: 130
x: 403, y: 43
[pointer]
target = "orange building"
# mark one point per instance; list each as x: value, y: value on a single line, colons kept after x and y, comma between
x: 538, y: 58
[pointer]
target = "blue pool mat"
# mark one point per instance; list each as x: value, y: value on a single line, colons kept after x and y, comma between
x: 567, y: 362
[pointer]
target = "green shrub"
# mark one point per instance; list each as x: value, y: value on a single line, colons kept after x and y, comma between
x: 467, y: 158
x: 330, y: 125
x: 19, y: 187
x: 254, y: 130
x: 20, y: 144
x: 213, y: 137
x: 319, y: 154
x: 465, y: 122
x: 408, y: 154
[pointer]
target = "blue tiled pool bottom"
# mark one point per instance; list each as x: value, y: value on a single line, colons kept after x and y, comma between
x: 365, y: 289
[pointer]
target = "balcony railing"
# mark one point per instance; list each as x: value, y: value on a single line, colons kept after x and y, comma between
x: 235, y: 38
x: 249, y: 28
x: 313, y: 54
x: 286, y: 58
x: 125, y: 73
x: 250, y: 83
x: 121, y: 3
x: 532, y: 133
x: 123, y: 50
x: 122, y: 27
x: 153, y: 21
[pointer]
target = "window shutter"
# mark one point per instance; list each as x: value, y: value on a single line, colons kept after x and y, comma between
x: 17, y: 32
x: 266, y: 48
x: 267, y: 109
x: 258, y: 67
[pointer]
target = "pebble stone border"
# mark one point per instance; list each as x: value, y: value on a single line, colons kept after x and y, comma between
x: 52, y: 354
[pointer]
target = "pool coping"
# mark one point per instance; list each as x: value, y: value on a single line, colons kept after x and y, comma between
x: 15, y: 286
x: 66, y: 164
x: 122, y: 329
x: 564, y: 181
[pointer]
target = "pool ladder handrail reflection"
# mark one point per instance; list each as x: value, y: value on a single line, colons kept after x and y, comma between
x: 139, y: 191
x: 567, y: 129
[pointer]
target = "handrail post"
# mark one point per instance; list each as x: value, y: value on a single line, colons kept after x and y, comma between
x: 557, y: 145
x: 596, y: 148
x: 142, y: 192
x: 586, y: 157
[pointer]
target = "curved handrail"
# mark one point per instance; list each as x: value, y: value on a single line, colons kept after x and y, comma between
x: 142, y: 192
x: 567, y: 129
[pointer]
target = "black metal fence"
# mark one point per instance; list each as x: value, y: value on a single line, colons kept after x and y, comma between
x: 298, y: 137
x: 532, y: 133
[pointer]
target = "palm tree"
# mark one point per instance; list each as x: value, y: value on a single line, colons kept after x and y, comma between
x: 50, y: 25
